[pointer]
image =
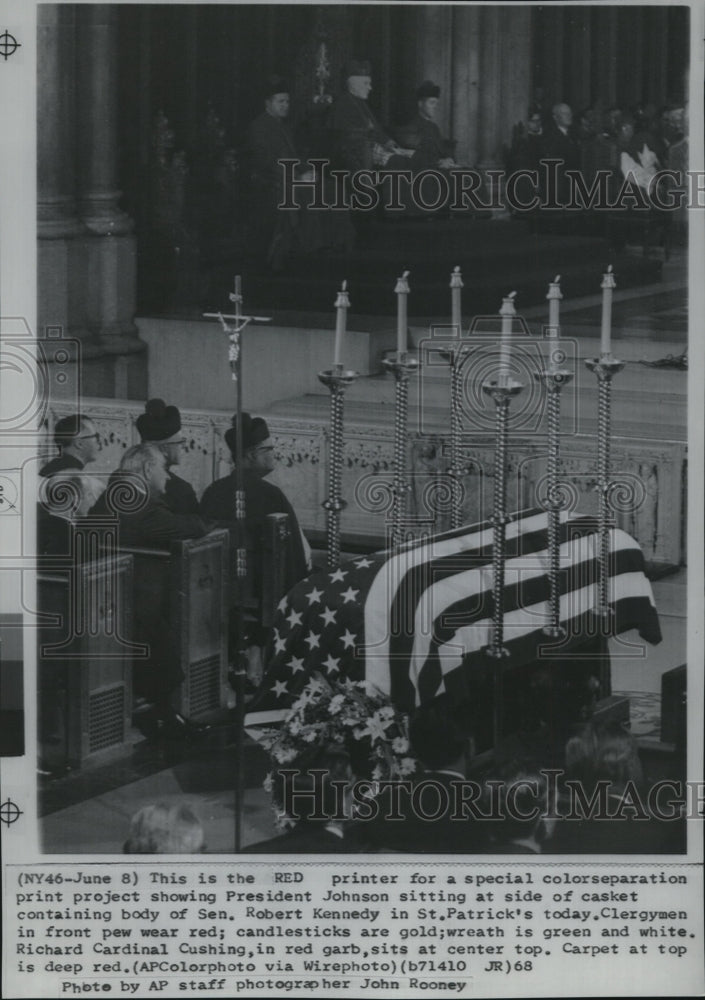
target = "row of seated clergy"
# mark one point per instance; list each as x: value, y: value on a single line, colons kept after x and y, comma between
x: 164, y: 513
x: 356, y: 141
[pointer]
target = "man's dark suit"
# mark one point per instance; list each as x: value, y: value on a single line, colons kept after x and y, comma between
x: 62, y: 463
x: 557, y: 145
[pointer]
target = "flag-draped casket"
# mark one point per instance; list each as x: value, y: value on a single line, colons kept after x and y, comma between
x: 417, y: 622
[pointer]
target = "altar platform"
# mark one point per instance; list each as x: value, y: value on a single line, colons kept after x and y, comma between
x: 495, y: 254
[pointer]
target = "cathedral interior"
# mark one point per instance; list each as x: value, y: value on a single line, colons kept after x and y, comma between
x: 144, y: 222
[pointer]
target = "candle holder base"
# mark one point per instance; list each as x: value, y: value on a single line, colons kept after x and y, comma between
x: 500, y: 391
x: 554, y: 380
x: 337, y: 377
x: 605, y: 367
x: 401, y: 365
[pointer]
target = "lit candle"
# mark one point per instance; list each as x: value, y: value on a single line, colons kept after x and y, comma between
x: 608, y: 283
x: 402, y: 290
x: 342, y: 303
x: 456, y: 285
x: 554, y: 297
x: 507, y: 312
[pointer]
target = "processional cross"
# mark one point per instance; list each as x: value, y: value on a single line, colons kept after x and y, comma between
x: 233, y: 324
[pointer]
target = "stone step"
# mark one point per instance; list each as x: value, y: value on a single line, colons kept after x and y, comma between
x: 646, y: 402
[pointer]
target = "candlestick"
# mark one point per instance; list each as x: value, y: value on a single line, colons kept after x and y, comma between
x: 342, y: 304
x: 555, y: 379
x: 457, y: 470
x: 402, y: 369
x: 608, y: 284
x: 507, y: 312
x: 554, y: 297
x: 456, y: 285
x: 496, y: 649
x: 402, y: 290
x: 604, y: 369
x: 336, y: 381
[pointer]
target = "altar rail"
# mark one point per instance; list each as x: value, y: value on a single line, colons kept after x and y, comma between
x: 654, y: 517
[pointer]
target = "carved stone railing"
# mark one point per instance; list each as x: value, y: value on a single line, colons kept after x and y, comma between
x: 648, y: 499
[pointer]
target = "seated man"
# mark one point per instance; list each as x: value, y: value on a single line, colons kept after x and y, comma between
x: 78, y: 443
x: 361, y: 141
x: 150, y: 523
x: 422, y: 134
x: 430, y: 150
x: 276, y: 232
x: 558, y: 144
x: 161, y: 425
x: 261, y: 499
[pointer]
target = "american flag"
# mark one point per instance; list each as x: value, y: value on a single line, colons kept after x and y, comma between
x: 416, y: 622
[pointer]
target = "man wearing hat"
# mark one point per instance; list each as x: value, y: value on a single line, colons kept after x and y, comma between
x: 270, y: 140
x: 261, y: 498
x: 362, y: 142
x: 161, y: 425
x: 422, y: 134
x: 277, y: 233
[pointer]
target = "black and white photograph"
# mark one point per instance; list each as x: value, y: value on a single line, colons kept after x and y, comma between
x: 352, y: 498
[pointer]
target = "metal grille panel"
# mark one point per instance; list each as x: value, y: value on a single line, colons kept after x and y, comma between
x: 204, y: 685
x: 106, y: 718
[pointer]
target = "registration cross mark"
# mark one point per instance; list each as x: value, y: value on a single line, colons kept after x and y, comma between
x: 9, y: 812
x: 8, y: 45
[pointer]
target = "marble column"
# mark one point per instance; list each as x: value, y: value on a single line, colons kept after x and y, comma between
x: 481, y: 58
x: 466, y: 83
x: 579, y: 47
x: 58, y: 227
x: 657, y: 55
x: 434, y: 54
x: 111, y: 249
x: 607, y: 54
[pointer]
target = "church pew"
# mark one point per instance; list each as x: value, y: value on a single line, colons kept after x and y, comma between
x: 187, y: 588
x: 195, y: 588
x: 84, y: 668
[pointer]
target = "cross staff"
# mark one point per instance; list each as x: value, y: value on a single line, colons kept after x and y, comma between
x: 233, y: 324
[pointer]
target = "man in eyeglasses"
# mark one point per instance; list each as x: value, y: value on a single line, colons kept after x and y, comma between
x: 261, y: 497
x: 78, y: 443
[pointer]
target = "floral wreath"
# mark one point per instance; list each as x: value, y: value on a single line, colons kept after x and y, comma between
x: 345, y: 717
